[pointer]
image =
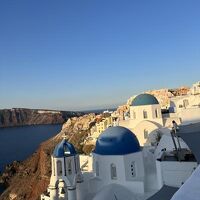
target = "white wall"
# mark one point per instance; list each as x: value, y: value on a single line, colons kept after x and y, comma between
x: 123, y: 169
x: 190, y: 189
x: 138, y: 128
x: 190, y: 115
x: 139, y: 166
x: 150, y: 109
x: 141, y: 127
x: 104, y: 167
x: 193, y: 100
x: 176, y: 173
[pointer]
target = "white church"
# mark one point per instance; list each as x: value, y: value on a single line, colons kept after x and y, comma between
x: 121, y: 169
x: 145, y: 116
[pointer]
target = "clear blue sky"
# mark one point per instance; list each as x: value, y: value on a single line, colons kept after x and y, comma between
x: 85, y: 54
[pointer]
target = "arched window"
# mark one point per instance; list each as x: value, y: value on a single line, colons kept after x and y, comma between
x: 69, y: 167
x: 97, y: 168
x: 145, y: 114
x: 59, y: 168
x: 145, y: 134
x: 156, y: 113
x: 134, y: 115
x: 133, y: 169
x: 113, y: 171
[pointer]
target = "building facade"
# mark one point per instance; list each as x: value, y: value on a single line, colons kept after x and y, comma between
x: 146, y: 115
x: 121, y: 170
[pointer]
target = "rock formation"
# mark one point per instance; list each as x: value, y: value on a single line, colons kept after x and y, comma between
x: 180, y: 91
x: 21, y: 116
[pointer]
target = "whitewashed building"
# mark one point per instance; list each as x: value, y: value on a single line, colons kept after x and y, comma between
x: 121, y: 170
x: 146, y: 116
x: 65, y: 175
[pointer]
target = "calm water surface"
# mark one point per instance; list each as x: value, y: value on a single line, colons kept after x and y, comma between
x: 17, y: 143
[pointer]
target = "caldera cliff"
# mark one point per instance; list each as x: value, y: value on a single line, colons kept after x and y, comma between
x: 23, y: 116
x: 28, y: 179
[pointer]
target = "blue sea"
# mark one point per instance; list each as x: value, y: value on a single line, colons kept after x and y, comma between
x: 18, y: 143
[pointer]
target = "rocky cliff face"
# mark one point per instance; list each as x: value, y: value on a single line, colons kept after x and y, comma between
x: 180, y: 91
x: 21, y: 116
x: 77, y: 129
x: 28, y: 179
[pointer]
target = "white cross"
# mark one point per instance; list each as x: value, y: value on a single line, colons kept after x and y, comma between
x: 64, y: 136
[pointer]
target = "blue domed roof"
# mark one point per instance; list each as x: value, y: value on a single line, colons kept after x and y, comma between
x: 117, y: 141
x: 64, y: 149
x: 144, y: 99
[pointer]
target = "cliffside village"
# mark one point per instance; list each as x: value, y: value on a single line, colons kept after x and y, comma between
x: 160, y: 108
x: 146, y: 150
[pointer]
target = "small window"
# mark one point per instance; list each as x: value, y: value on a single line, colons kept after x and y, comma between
x: 145, y: 134
x: 113, y: 171
x: 145, y: 114
x: 133, y: 170
x: 185, y: 103
x: 134, y: 115
x: 97, y: 168
x: 59, y: 168
x: 156, y: 113
x: 69, y: 165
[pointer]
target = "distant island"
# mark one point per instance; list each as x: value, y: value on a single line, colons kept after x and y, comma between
x: 24, y: 116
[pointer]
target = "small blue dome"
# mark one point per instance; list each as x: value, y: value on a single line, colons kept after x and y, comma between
x: 117, y: 141
x: 64, y: 149
x: 144, y: 99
